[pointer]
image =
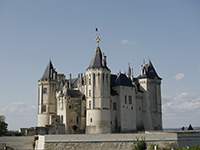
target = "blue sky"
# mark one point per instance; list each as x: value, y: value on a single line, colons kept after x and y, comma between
x: 167, y: 32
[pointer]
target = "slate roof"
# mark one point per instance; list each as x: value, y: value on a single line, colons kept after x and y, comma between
x: 74, y: 82
x: 96, y: 61
x: 120, y: 80
x: 73, y: 93
x: 149, y: 72
x: 48, y: 73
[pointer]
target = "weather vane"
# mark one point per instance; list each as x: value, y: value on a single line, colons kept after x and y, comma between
x: 97, y: 39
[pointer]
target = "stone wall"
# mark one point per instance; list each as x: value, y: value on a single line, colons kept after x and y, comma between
x: 18, y: 142
x: 188, y: 138
x: 104, y: 141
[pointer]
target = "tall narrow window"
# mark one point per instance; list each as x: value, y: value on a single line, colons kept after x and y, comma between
x: 93, y: 79
x: 77, y: 120
x: 125, y: 100
x: 99, y: 78
x: 89, y: 81
x: 130, y: 100
x: 114, y: 106
x: 43, y: 108
x: 89, y: 104
x: 44, y: 90
x: 89, y: 93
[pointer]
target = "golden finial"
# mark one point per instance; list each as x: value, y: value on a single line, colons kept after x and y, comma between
x: 97, y: 39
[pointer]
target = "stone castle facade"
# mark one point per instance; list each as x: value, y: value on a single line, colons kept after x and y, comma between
x: 100, y: 102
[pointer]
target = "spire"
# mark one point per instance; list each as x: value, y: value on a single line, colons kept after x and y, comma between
x: 129, y: 71
x: 49, y: 71
x: 98, y: 59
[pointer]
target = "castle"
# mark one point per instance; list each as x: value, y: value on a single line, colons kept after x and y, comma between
x: 100, y: 102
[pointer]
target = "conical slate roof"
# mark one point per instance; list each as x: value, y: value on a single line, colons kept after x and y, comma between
x: 149, y: 72
x: 96, y: 61
x: 48, y: 73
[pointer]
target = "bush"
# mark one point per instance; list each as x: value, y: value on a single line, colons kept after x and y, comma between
x: 13, y: 133
x: 3, y: 128
x: 140, y: 144
x: 153, y: 145
x: 195, y: 147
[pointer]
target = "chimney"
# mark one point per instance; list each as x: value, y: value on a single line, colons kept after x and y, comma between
x: 141, y: 69
x: 132, y: 74
x: 70, y: 78
x: 81, y: 80
x: 103, y: 61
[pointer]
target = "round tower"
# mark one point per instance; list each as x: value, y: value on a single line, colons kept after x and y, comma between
x: 98, y: 94
x: 46, y: 95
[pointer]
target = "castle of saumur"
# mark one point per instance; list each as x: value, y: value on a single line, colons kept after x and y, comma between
x: 98, y: 101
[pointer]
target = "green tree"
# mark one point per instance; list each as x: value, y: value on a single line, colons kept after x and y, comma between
x: 140, y: 144
x: 3, y: 128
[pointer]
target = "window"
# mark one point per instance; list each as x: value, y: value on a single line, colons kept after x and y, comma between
x: 89, y: 81
x: 44, y: 90
x: 43, y: 108
x: 93, y: 78
x: 89, y: 93
x: 114, y: 106
x: 125, y: 100
x: 130, y: 100
x: 90, y: 119
x: 89, y: 104
x: 77, y: 120
x: 132, y: 108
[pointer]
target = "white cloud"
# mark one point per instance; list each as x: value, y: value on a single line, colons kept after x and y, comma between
x: 179, y: 76
x: 125, y: 41
x: 19, y: 115
x: 17, y: 108
x: 182, y: 109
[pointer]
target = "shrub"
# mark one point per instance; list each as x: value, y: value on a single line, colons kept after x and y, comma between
x: 140, y: 144
x: 153, y: 145
x: 195, y: 147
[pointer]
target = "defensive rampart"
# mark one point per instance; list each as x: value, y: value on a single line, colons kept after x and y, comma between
x: 104, y: 141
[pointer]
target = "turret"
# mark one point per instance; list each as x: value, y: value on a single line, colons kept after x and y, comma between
x: 98, y: 93
x: 130, y: 72
x: 46, y: 95
x: 151, y: 82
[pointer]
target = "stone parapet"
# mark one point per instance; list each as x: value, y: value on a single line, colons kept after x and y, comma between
x: 105, y: 141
